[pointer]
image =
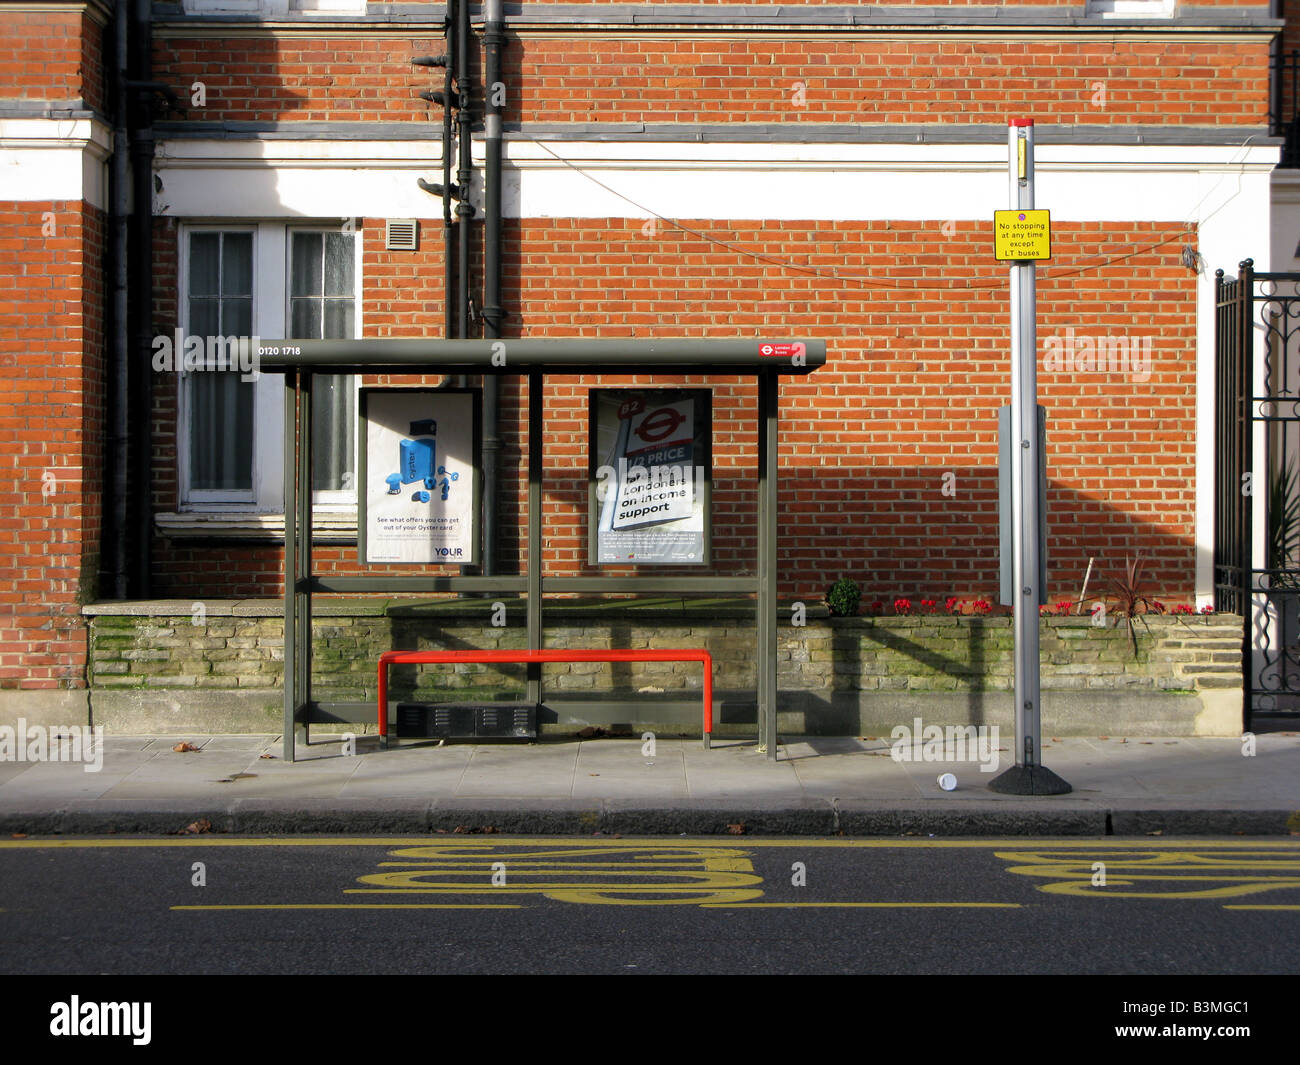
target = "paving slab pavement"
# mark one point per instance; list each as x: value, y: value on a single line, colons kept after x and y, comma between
x: 818, y: 785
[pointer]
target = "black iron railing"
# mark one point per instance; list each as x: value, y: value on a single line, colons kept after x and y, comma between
x: 1257, y: 454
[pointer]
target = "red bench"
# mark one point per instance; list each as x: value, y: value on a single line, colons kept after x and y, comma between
x: 389, y: 658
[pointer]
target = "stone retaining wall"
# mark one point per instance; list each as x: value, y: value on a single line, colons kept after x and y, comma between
x: 836, y: 675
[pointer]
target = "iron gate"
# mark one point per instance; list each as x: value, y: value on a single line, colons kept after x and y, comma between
x: 1257, y: 481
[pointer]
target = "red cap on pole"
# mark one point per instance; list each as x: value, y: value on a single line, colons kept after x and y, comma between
x: 1021, y: 122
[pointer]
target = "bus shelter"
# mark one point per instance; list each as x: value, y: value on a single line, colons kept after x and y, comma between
x: 532, y: 359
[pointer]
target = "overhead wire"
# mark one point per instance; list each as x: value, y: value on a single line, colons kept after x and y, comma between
x: 946, y: 281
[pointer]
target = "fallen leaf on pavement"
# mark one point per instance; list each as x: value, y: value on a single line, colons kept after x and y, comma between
x: 195, y: 828
x: 736, y: 830
x: 181, y: 748
x: 23, y: 835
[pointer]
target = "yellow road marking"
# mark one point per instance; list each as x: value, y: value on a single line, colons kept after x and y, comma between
x: 356, y: 906
x: 861, y: 905
x: 1240, y: 872
x: 719, y: 873
x: 654, y: 875
x: 604, y: 843
x: 452, y: 888
x: 1259, y: 906
x: 598, y: 897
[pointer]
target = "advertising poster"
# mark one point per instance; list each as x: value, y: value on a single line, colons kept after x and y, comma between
x: 420, y: 492
x: 650, y: 476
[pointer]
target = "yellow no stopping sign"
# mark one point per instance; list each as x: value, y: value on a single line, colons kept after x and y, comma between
x: 1022, y: 235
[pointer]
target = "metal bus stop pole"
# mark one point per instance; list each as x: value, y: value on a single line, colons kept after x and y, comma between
x: 1028, y: 776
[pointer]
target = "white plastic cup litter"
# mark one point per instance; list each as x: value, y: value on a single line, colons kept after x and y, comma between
x: 948, y: 782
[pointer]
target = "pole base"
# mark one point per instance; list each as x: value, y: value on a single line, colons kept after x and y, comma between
x: 1029, y: 780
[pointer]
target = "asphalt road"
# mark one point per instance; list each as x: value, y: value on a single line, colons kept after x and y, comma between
x: 484, y: 904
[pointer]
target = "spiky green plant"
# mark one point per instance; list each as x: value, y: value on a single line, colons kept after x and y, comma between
x: 1133, y: 599
x: 1283, y: 522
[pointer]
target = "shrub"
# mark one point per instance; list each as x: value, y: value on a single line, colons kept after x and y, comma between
x: 843, y: 598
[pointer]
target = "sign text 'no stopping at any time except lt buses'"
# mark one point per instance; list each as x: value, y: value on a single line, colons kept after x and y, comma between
x: 1020, y: 235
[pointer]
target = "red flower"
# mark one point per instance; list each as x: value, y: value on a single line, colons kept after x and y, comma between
x: 902, y: 606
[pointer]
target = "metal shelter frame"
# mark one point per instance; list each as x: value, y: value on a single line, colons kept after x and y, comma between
x: 531, y: 358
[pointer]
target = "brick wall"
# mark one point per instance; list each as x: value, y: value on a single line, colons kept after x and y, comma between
x: 1288, y: 42
x: 51, y: 55
x: 51, y: 428
x: 916, y: 371
x: 289, y: 79
x: 91, y: 71
x: 942, y: 7
x: 676, y: 77
x: 762, y: 78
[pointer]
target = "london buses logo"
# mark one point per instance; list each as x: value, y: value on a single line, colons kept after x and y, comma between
x: 660, y: 423
x: 796, y: 353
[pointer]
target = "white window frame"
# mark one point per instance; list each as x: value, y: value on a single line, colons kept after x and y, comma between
x: 214, y: 498
x: 274, y: 8
x: 234, y: 7
x: 271, y: 266
x: 327, y: 499
x: 328, y: 7
x: 1132, y: 9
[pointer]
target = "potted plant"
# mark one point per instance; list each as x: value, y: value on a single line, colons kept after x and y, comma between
x: 843, y: 598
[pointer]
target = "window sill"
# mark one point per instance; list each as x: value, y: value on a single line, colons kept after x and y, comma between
x: 333, y: 526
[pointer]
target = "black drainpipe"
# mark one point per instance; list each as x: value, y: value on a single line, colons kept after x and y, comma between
x: 116, y: 459
x: 448, y: 228
x: 455, y: 244
x: 464, y: 172
x: 444, y: 190
x: 494, y: 92
x: 141, y: 293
